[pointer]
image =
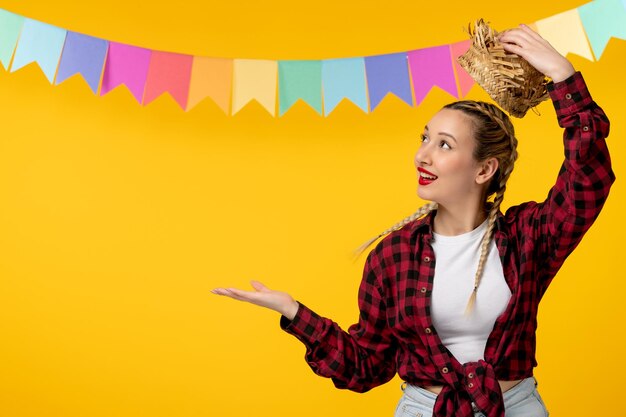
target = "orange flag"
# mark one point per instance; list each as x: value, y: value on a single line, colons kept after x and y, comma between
x: 211, y: 77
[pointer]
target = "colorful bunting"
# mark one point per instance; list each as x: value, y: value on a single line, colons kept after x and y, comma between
x: 128, y: 65
x: 40, y: 43
x: 254, y: 79
x: 343, y: 78
x: 602, y: 20
x: 431, y: 67
x: 211, y: 77
x: 170, y: 73
x: 11, y: 25
x: 322, y: 84
x: 388, y: 74
x: 83, y: 55
x: 573, y: 40
x: 299, y: 80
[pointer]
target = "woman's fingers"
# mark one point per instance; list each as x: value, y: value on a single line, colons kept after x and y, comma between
x: 219, y: 291
x: 528, y: 44
x: 517, y: 36
x: 532, y: 33
x: 264, y: 297
x: 230, y: 292
x: 258, y: 286
x: 237, y: 294
x: 513, y: 48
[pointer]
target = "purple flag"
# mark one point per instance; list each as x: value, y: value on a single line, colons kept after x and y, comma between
x: 430, y: 67
x: 388, y: 73
x: 85, y: 55
x: 128, y: 65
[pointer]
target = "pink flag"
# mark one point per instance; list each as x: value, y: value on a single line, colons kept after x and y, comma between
x: 466, y: 82
x: 128, y: 65
x: 430, y: 67
x: 169, y: 72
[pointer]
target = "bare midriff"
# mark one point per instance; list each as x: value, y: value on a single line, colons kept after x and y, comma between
x: 504, y: 386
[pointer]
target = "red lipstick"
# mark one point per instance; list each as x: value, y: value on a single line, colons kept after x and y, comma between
x: 426, y: 177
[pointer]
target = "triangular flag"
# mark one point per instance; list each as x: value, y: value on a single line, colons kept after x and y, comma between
x: 430, y: 67
x: 299, y: 80
x: 10, y: 27
x: 388, y: 74
x: 344, y: 77
x: 603, y: 19
x: 84, y: 55
x: 211, y: 77
x: 128, y: 65
x: 41, y: 43
x: 565, y: 41
x: 466, y: 82
x: 168, y: 72
x: 254, y: 79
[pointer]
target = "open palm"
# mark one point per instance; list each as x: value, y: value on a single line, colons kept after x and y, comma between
x: 262, y: 296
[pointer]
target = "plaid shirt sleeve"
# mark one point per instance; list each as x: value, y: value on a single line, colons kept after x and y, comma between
x: 364, y: 356
x: 582, y: 186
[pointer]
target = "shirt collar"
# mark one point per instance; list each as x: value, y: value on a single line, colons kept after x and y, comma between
x: 424, y: 224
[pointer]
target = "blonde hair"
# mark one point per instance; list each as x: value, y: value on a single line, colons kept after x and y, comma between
x: 495, y: 138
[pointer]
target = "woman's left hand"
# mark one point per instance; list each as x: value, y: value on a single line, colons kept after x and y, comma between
x: 528, y: 44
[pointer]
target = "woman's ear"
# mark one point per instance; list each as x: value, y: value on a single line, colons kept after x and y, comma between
x: 487, y: 170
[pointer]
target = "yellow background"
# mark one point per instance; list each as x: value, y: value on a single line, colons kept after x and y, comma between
x: 116, y: 219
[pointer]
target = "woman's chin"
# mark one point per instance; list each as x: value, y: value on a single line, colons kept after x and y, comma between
x: 426, y: 195
x: 422, y: 193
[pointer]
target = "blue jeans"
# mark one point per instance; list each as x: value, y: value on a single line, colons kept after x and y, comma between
x: 523, y: 400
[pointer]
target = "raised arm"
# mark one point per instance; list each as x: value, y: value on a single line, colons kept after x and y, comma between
x: 558, y: 224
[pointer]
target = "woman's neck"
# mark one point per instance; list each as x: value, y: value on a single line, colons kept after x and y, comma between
x: 455, y: 222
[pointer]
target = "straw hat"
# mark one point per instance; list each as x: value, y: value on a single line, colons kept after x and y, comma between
x: 508, y: 78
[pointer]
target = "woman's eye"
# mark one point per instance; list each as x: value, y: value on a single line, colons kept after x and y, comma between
x: 444, y: 145
x: 424, y: 138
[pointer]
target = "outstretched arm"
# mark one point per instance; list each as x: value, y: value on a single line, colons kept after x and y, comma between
x: 357, y: 359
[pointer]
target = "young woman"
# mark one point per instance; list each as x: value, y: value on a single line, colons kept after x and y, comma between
x: 449, y: 296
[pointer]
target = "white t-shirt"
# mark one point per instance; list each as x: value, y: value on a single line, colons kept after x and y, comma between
x: 455, y: 269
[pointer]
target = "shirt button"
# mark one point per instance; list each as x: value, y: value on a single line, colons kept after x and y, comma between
x: 444, y: 370
x: 471, y: 385
x: 426, y: 259
x: 428, y: 331
x: 585, y: 128
x: 423, y: 289
x: 471, y: 375
x: 568, y: 96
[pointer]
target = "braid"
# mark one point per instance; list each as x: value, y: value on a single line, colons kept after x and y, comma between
x: 495, y: 137
x: 497, y: 116
x: 427, y: 208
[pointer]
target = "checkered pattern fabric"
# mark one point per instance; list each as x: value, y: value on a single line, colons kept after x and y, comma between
x: 395, y: 332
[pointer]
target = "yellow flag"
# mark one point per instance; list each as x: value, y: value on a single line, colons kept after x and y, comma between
x: 255, y: 79
x: 571, y: 40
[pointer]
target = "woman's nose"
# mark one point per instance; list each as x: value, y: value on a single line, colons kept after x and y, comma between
x: 422, y: 156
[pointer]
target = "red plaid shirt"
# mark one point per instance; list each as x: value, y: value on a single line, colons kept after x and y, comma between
x: 395, y: 332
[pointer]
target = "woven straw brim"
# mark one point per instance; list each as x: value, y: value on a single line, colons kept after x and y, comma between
x: 510, y: 80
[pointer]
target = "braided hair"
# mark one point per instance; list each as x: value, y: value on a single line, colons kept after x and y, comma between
x: 495, y: 138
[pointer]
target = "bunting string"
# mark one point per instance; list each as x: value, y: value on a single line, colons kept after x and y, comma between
x: 278, y: 85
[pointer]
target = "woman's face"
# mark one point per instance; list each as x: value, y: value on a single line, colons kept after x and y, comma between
x: 447, y: 170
